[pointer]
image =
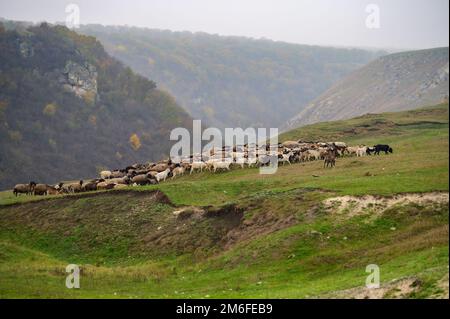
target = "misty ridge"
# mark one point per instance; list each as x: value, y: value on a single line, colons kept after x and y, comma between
x: 231, y: 81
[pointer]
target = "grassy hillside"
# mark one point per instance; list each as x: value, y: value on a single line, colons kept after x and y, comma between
x: 395, y: 82
x: 68, y: 109
x: 231, y: 81
x: 250, y: 235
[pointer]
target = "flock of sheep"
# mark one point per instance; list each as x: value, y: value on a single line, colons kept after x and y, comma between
x: 214, y: 160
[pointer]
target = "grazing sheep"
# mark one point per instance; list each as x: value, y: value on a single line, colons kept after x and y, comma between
x: 90, y: 186
x: 105, y: 185
x: 285, y: 158
x: 119, y: 180
x: 361, y: 151
x: 117, y: 174
x: 198, y: 165
x: 161, y: 167
x: 52, y: 190
x: 105, y: 174
x: 161, y: 176
x: 323, y: 152
x: 339, y: 144
x: 370, y: 150
x: 40, y: 189
x: 178, y: 171
x: 152, y: 174
x: 382, y: 148
x: 64, y: 188
x: 267, y: 160
x: 352, y: 150
x: 143, y: 179
x: 290, y: 144
x: 76, y: 187
x: 313, y: 155
x: 24, y: 188
x: 239, y: 159
x: 44, y: 189
x: 218, y: 165
x: 252, y: 161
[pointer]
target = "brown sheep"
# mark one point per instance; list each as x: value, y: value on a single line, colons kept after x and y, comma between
x: 51, y: 190
x: 24, y: 188
x: 142, y: 179
x: 105, y: 185
x: 90, y: 186
x: 117, y: 174
x: 40, y: 189
x: 160, y: 167
x: 76, y: 187
x: 121, y: 180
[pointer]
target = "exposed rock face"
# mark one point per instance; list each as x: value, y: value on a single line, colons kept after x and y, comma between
x: 396, y: 82
x: 80, y: 79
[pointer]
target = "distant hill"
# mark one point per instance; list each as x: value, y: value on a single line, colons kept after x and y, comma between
x: 231, y: 81
x: 395, y: 82
x: 68, y: 109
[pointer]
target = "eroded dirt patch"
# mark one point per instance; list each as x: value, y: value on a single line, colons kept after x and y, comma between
x: 350, y: 206
x: 395, y: 289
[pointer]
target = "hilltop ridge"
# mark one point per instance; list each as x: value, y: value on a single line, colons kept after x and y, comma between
x: 396, y: 82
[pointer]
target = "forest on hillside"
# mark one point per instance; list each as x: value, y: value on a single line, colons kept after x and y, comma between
x: 68, y: 109
x: 231, y: 81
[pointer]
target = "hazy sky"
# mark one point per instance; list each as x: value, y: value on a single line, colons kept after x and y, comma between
x: 402, y: 23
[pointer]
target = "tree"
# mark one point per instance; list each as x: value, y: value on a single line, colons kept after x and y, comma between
x: 135, y: 142
x: 50, y: 109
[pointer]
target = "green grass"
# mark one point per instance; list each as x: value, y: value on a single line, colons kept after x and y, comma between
x: 129, y: 245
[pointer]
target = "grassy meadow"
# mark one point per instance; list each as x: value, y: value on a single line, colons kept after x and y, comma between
x: 267, y: 236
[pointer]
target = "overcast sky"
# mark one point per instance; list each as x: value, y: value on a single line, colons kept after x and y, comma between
x: 402, y: 23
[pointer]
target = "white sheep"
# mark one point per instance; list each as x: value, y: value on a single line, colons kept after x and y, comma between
x: 178, y: 171
x: 352, y: 150
x: 198, y: 165
x: 221, y: 165
x: 252, y: 161
x: 105, y: 174
x: 313, y: 154
x: 361, y: 151
x: 285, y: 158
x: 161, y: 176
